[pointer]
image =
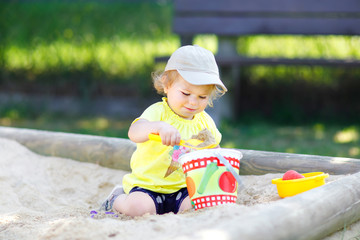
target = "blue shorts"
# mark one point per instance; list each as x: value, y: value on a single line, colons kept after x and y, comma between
x: 165, y: 203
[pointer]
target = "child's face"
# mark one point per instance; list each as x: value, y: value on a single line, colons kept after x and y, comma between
x: 186, y: 99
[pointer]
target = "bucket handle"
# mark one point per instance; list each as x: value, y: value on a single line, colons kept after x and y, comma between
x: 230, y: 168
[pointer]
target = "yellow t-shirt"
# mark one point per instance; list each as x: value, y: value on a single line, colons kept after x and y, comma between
x: 150, y: 163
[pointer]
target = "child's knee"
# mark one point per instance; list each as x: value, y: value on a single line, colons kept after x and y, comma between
x: 135, y: 205
x: 186, y: 204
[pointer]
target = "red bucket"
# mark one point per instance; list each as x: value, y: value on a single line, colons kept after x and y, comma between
x: 208, y: 181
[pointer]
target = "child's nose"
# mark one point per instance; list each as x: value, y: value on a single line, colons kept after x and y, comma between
x: 193, y: 100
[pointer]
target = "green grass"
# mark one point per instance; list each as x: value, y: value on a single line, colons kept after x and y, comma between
x: 318, y: 138
x: 93, y: 125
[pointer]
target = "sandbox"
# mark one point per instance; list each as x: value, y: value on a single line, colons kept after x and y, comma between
x: 51, y: 181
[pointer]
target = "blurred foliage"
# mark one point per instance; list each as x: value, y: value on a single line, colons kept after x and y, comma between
x: 301, y: 46
x: 97, y: 41
x: 116, y: 41
x: 76, y: 47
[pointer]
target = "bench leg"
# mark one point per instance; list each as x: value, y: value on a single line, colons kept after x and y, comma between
x: 186, y: 40
x: 230, y: 75
x: 227, y: 47
x: 221, y: 109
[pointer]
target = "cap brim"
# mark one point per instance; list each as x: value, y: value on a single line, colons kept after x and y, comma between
x: 202, y: 78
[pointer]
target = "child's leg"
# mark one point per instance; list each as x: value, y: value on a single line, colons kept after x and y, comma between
x: 134, y: 204
x: 185, y: 205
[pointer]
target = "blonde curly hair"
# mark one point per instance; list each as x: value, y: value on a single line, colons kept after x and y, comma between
x: 167, y: 78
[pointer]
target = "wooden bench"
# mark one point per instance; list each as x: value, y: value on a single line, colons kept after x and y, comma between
x: 229, y: 19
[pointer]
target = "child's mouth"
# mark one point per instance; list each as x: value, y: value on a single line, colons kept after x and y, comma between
x: 190, y: 109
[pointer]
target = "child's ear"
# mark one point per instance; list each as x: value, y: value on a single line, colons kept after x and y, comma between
x: 165, y: 84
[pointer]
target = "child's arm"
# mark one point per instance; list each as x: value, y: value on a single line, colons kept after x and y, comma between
x: 139, y: 132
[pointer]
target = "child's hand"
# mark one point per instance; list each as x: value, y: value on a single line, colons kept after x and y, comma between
x: 139, y: 132
x: 169, y: 135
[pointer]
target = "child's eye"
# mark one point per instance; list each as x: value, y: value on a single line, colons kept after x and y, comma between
x: 203, y: 97
x: 186, y: 94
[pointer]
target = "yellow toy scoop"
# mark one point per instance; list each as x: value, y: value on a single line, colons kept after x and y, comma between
x: 190, y: 143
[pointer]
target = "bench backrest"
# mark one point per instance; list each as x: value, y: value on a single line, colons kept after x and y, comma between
x: 248, y: 17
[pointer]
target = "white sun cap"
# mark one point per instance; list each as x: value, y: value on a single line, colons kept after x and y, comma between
x: 196, y: 65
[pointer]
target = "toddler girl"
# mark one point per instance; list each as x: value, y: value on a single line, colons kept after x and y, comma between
x: 156, y: 184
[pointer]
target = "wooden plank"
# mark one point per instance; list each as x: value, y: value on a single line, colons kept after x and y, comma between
x: 262, y: 162
x: 116, y: 153
x: 293, y: 6
x: 105, y: 151
x: 310, y: 215
x: 246, y: 61
x: 233, y: 26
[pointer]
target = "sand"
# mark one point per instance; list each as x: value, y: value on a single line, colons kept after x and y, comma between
x: 51, y: 198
